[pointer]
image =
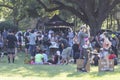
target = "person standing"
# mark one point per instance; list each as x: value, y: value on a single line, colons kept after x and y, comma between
x: 11, y: 41
x: 70, y: 37
x: 106, y: 47
x: 26, y: 38
x: 67, y: 51
x: 32, y: 44
x: 75, y: 48
x: 114, y: 44
x: 82, y: 36
x: 4, y: 35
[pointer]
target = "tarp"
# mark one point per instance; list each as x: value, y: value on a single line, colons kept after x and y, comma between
x: 57, y: 21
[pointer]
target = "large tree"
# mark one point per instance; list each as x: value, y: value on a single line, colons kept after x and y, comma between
x: 19, y: 9
x: 91, y: 12
x: 16, y: 10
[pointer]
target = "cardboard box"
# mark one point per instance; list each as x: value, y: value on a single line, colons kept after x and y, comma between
x: 103, y: 65
x: 80, y: 65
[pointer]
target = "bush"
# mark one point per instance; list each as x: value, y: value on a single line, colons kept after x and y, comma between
x: 7, y: 25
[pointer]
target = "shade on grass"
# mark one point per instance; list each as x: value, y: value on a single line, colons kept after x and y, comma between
x: 21, y: 71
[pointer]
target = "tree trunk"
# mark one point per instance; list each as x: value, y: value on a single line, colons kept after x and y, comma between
x: 107, y: 22
x: 95, y: 28
x: 118, y: 24
x: 16, y: 23
x: 111, y: 21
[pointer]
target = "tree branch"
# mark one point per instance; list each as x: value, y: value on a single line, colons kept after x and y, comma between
x: 76, y: 12
x: 106, y: 8
x: 48, y: 9
x: 61, y: 6
x: 7, y: 6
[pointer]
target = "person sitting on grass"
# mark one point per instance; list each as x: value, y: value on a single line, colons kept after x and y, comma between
x: 55, y: 58
x: 113, y: 56
x: 45, y: 56
x: 39, y: 58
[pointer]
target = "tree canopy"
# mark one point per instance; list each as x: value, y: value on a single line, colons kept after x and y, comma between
x: 91, y: 12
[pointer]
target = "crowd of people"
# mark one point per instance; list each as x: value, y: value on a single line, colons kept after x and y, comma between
x: 49, y: 47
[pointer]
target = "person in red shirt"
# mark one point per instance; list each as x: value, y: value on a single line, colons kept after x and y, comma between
x: 112, y: 55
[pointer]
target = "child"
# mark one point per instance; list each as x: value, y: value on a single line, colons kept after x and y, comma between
x: 27, y: 60
x: 95, y: 59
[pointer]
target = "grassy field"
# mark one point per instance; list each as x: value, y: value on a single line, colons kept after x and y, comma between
x: 21, y: 71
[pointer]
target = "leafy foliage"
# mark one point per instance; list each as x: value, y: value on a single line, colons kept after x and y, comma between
x: 7, y: 25
x: 91, y: 12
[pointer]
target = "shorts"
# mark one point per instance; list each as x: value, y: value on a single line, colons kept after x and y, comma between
x: 105, y: 53
x: 66, y: 53
x: 11, y: 50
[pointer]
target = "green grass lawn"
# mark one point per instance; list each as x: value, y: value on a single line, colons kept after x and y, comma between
x: 21, y: 71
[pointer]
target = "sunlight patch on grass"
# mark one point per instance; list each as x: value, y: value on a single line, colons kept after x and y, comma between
x: 21, y: 71
x: 56, y: 78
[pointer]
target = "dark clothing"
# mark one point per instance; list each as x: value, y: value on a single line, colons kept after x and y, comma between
x: 4, y: 34
x: 26, y: 42
x: 32, y: 49
x: 65, y: 43
x: 11, y: 50
x: 95, y: 59
x: 114, y: 48
x: 76, y: 52
x: 60, y: 48
x: 11, y: 41
x: 55, y: 60
x: 84, y: 56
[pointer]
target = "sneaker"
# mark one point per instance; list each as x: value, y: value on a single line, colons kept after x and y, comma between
x: 83, y: 70
x: 107, y: 70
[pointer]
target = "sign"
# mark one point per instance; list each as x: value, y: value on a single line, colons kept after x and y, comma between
x: 80, y: 65
x: 103, y: 65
